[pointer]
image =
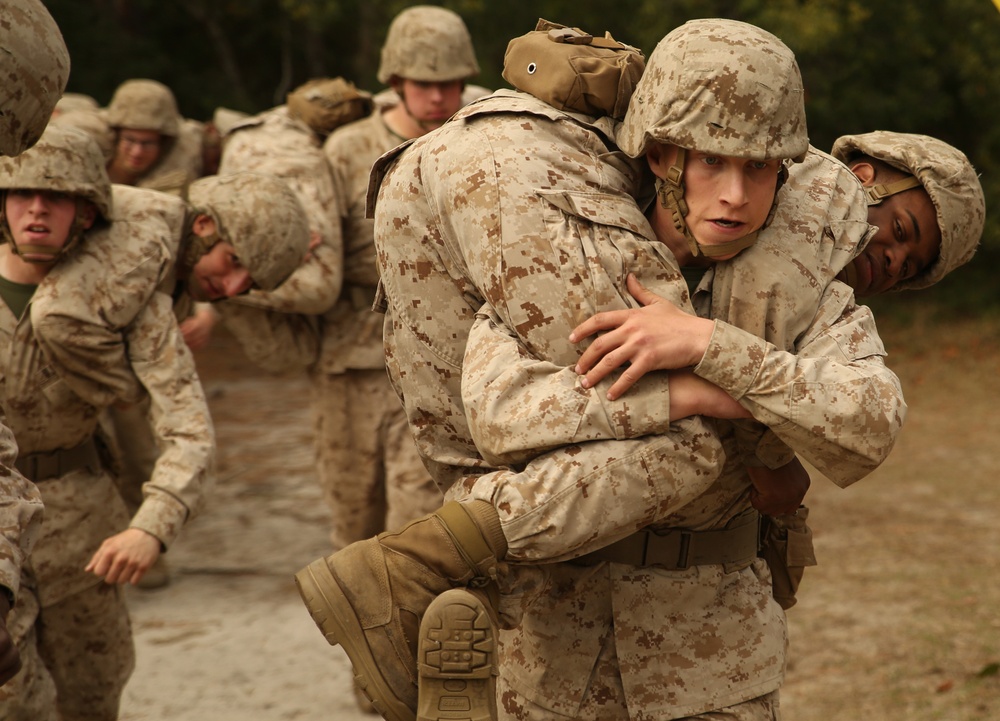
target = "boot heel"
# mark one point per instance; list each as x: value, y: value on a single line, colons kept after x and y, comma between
x: 457, y: 660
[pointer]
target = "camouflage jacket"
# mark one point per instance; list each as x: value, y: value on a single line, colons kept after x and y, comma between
x: 526, y: 212
x: 101, y: 328
x: 279, y: 329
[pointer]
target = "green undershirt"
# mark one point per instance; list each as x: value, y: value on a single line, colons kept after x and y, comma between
x: 692, y: 276
x: 16, y: 295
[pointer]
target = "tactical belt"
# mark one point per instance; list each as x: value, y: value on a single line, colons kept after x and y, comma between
x: 676, y: 548
x: 55, y: 464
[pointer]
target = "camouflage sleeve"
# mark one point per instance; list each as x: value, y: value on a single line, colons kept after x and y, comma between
x: 274, y: 341
x: 20, y: 515
x: 833, y: 401
x: 179, y: 417
x: 519, y: 406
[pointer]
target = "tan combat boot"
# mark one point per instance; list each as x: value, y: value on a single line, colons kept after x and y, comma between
x: 371, y: 596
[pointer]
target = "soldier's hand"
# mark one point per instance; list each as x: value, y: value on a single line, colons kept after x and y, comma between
x: 125, y: 557
x: 778, y: 491
x: 658, y: 336
x: 10, y: 658
x: 197, y: 329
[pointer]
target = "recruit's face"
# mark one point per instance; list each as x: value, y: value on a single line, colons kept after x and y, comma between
x: 137, y: 150
x: 431, y: 104
x: 907, y: 242
x: 42, y: 219
x: 219, y: 274
x: 727, y: 198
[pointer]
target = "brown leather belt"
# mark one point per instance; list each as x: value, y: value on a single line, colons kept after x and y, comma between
x: 55, y: 464
x: 676, y: 548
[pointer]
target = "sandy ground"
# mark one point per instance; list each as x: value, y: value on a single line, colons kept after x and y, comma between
x: 900, y: 620
x: 229, y: 639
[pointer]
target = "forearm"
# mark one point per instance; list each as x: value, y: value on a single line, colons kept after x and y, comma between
x: 834, y: 402
x: 519, y: 407
x: 180, y: 419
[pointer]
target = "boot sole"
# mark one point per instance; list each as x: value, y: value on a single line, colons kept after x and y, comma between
x: 335, y: 617
x: 457, y: 660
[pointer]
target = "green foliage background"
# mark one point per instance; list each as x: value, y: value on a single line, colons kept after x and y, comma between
x: 925, y: 67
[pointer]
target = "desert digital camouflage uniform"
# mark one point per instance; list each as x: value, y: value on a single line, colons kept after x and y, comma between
x: 302, y: 323
x: 360, y: 424
x: 59, y: 372
x: 280, y: 330
x: 454, y: 270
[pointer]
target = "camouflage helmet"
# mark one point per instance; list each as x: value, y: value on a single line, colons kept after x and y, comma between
x: 428, y: 44
x: 324, y: 104
x: 719, y: 86
x: 34, y: 65
x: 145, y: 105
x: 950, y: 181
x: 64, y: 160
x: 261, y: 217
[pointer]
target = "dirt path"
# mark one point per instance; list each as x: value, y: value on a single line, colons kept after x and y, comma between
x: 899, y: 622
x: 229, y: 639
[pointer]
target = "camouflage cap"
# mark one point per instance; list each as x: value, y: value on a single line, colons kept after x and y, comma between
x: 262, y: 218
x: 950, y: 181
x: 719, y: 86
x: 145, y: 105
x: 429, y: 44
x: 34, y: 67
x: 64, y: 160
x: 324, y: 104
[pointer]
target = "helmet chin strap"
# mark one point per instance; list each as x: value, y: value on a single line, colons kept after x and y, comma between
x: 49, y: 254
x: 423, y: 125
x: 880, y: 191
x: 670, y: 191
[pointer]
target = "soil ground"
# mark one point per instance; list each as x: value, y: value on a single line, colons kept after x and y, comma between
x: 900, y: 620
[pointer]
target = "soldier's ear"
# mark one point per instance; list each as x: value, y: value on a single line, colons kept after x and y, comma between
x: 865, y: 172
x: 88, y: 215
x: 203, y: 226
x: 660, y: 157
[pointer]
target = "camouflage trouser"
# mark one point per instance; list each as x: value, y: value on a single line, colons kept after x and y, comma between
x: 369, y: 470
x: 79, y: 650
x: 605, y: 700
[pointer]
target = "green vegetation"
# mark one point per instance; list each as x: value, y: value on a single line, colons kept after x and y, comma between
x: 930, y: 68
